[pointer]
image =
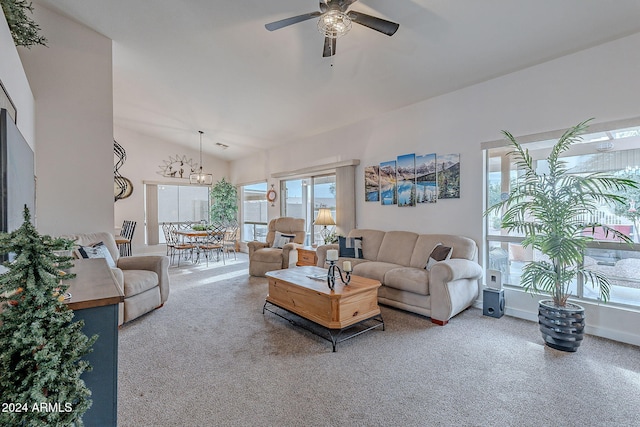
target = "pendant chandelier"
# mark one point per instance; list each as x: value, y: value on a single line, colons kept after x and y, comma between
x: 200, y: 177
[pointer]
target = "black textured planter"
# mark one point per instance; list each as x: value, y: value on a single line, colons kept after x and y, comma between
x: 562, y: 327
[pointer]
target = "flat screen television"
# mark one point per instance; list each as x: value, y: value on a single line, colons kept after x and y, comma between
x: 17, y: 175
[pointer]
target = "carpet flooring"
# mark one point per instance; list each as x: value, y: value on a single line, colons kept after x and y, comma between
x: 210, y: 357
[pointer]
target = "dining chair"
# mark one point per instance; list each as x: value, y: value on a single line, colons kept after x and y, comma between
x: 176, y: 245
x: 168, y: 238
x: 126, y: 236
x: 231, y: 239
x: 214, y: 242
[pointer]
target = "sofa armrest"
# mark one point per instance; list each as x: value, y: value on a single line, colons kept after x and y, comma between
x: 156, y: 263
x: 456, y: 268
x: 290, y: 254
x: 453, y: 286
x: 321, y: 252
x: 255, y: 245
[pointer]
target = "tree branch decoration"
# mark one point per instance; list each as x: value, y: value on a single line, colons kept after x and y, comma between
x: 42, y: 347
x: 24, y: 30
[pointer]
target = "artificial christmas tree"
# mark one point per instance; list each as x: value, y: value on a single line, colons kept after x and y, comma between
x: 41, y: 348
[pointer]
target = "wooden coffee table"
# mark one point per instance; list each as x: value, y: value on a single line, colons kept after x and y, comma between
x: 345, y: 312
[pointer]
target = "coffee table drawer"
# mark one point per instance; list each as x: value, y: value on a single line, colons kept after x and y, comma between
x: 357, y: 308
x: 327, y: 309
x: 304, y: 302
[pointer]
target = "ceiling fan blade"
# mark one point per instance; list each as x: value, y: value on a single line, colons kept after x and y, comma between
x: 329, y: 47
x: 386, y: 27
x: 290, y: 21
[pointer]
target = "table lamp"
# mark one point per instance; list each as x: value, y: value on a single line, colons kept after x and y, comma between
x: 324, y: 218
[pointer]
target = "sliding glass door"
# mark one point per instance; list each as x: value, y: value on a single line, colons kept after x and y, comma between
x: 302, y: 197
x: 174, y: 203
x: 254, y: 212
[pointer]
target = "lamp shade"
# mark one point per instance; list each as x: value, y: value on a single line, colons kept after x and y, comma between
x: 324, y: 217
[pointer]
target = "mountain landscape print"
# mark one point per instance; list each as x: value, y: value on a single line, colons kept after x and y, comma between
x: 371, y: 184
x: 448, y: 172
x: 426, y: 179
x: 406, y: 179
x: 388, y: 187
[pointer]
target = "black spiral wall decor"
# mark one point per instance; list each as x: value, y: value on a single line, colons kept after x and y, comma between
x: 122, y: 186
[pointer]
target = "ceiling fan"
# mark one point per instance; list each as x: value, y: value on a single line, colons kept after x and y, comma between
x: 335, y: 21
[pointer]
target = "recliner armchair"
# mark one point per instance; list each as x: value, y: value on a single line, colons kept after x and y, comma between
x: 263, y: 257
x: 144, y: 280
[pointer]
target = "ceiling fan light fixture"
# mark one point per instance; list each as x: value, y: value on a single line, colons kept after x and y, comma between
x: 334, y: 24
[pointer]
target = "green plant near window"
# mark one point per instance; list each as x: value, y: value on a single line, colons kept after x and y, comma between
x: 549, y: 210
x: 224, y: 207
x: 24, y: 30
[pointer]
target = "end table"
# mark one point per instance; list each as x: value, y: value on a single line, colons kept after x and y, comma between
x: 307, y: 256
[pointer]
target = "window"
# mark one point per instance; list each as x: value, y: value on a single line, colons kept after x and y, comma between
x: 304, y: 196
x: 254, y: 212
x: 614, y: 151
x: 174, y: 203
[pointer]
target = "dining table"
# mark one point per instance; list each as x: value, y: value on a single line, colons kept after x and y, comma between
x: 201, y: 238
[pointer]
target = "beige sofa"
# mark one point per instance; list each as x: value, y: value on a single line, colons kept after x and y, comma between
x: 398, y: 259
x: 143, y: 279
x: 264, y: 257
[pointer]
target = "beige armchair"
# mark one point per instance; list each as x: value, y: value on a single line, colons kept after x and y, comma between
x: 263, y: 257
x: 144, y: 280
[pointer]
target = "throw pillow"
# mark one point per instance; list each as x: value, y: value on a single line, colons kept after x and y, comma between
x: 282, y: 239
x: 350, y: 247
x: 439, y: 253
x: 97, y: 250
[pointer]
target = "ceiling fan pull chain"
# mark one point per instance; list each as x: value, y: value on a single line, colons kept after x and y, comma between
x: 332, y: 54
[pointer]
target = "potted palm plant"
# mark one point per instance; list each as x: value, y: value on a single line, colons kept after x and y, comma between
x: 552, y: 210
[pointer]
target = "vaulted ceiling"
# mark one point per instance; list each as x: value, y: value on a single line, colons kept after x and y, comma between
x: 189, y: 65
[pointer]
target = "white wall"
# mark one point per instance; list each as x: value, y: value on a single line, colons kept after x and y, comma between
x: 145, y: 155
x: 15, y: 82
x: 71, y: 82
x: 600, y: 82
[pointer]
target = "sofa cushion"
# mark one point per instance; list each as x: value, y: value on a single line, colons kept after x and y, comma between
x: 408, y: 279
x: 354, y: 261
x: 138, y: 281
x: 286, y: 225
x: 350, y: 247
x: 271, y: 255
x: 397, y: 247
x: 374, y: 269
x: 282, y: 239
x: 97, y: 250
x: 88, y: 239
x: 463, y: 247
x: 439, y: 253
x: 371, y: 240
x: 117, y: 273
